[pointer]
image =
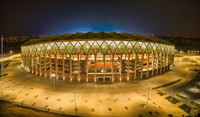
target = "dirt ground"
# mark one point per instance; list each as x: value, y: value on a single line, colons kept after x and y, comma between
x: 8, y: 109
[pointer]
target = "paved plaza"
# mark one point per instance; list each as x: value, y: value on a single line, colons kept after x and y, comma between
x: 93, y: 99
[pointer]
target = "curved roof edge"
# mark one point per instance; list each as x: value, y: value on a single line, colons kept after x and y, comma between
x: 98, y: 36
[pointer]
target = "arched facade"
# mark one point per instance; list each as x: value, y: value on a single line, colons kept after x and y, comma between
x: 97, y: 60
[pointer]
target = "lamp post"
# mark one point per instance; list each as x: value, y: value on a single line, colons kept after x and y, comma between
x: 171, y: 93
x: 147, y: 97
x: 188, y: 100
x: 11, y: 52
x: 75, y: 106
x: 75, y: 103
x: 53, y: 77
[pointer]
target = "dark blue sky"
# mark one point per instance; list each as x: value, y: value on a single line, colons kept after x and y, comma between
x: 175, y: 17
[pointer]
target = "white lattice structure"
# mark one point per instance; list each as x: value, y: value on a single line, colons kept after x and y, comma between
x: 97, y: 56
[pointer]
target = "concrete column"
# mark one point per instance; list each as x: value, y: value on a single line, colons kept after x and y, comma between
x: 63, y: 67
x: 135, y: 66
x: 23, y: 60
x: 40, y: 61
x: 45, y: 66
x: 148, y: 56
x: 112, y: 60
x: 87, y: 67
x: 152, y: 64
x: 141, y: 70
x: 128, y: 73
x: 56, y: 64
x: 70, y: 65
x: 167, y: 62
x: 157, y: 63
x: 50, y: 70
x: 27, y: 61
x: 170, y: 59
x: 161, y: 63
x: 36, y: 66
x: 164, y: 62
x: 32, y: 64
x: 120, y: 67
x: 95, y: 63
x: 104, y: 67
x: 78, y: 58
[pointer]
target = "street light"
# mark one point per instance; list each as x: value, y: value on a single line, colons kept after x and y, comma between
x: 74, y: 92
x: 147, y: 97
x: 11, y: 52
x: 181, y: 51
x: 171, y: 93
x: 75, y: 103
x: 188, y: 100
x: 53, y: 77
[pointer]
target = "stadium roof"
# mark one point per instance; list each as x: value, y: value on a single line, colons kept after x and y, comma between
x: 98, y: 36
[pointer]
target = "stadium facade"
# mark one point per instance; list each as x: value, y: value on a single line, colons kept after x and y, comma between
x: 97, y: 56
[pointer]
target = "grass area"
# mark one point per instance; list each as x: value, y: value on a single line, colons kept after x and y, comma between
x: 172, y: 99
x: 193, y: 61
x: 160, y: 93
x: 3, y: 74
x: 195, y: 104
x: 181, y: 96
x: 186, y: 59
x: 186, y: 108
x: 5, y: 63
x: 168, y: 84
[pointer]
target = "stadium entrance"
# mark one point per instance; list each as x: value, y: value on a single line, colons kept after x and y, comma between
x: 104, y: 79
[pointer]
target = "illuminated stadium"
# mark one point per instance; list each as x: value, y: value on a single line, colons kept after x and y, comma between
x: 97, y: 56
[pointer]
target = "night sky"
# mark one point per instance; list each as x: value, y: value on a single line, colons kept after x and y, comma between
x: 174, y: 17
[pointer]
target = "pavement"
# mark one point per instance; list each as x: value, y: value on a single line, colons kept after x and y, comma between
x: 92, y: 99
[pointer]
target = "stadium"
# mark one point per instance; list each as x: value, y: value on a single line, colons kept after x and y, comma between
x: 97, y: 56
